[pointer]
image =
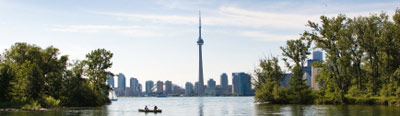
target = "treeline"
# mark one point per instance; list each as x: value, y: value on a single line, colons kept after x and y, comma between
x: 361, y: 66
x: 32, y: 77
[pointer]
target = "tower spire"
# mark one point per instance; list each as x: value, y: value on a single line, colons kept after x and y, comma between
x: 200, y: 25
x: 200, y: 42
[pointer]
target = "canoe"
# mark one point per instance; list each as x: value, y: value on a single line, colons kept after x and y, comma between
x: 142, y: 110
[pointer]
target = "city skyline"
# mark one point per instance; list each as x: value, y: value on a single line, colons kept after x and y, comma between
x: 240, y: 86
x: 154, y: 40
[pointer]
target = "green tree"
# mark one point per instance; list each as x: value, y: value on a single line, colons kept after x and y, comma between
x: 268, y: 77
x: 98, y: 61
x: 296, y: 51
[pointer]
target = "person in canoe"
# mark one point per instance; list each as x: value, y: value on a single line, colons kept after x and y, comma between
x: 155, y: 108
x: 145, y: 108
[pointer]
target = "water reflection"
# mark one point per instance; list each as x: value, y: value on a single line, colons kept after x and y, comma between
x: 201, y: 106
x: 329, y: 110
x: 212, y: 106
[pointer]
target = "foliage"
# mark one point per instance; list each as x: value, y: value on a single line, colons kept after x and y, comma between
x: 50, y: 102
x: 267, y: 82
x: 32, y: 77
x: 361, y: 56
x: 361, y: 64
x: 297, y: 51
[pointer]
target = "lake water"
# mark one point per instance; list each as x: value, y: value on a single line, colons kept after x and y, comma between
x: 210, y: 106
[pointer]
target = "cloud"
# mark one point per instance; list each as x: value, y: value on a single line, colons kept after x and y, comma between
x: 226, y: 16
x: 154, y: 18
x: 131, y: 31
x: 268, y: 36
x: 249, y: 18
x: 236, y: 17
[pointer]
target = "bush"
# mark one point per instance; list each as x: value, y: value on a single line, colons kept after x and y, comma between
x: 49, y: 102
x: 32, y: 105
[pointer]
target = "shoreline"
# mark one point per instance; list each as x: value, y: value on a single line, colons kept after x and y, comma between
x: 16, y: 109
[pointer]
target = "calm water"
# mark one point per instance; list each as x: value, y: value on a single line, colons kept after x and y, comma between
x: 212, y: 106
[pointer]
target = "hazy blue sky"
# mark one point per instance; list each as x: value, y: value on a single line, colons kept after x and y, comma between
x: 156, y: 40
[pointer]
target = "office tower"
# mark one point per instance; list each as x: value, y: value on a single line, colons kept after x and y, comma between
x: 176, y: 90
x: 160, y: 87
x: 211, y: 84
x: 134, y: 85
x: 188, y: 89
x: 110, y: 81
x: 317, y: 55
x: 149, y: 86
x: 210, y: 90
x: 140, y: 90
x: 196, y: 88
x: 200, y: 42
x: 241, y: 84
x: 224, y: 81
x: 314, y: 84
x: 121, y: 84
x: 168, y: 87
x: 285, y: 81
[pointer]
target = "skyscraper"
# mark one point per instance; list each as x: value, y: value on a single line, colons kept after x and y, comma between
x: 317, y: 55
x: 188, y: 89
x: 134, y: 85
x: 241, y: 84
x: 168, y: 87
x: 110, y: 81
x: 140, y: 89
x: 149, y: 86
x: 200, y: 42
x: 224, y: 81
x: 121, y: 84
x: 160, y: 87
x: 211, y: 84
x: 197, y: 88
x: 210, y: 88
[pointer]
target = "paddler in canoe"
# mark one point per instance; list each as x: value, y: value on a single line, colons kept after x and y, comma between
x: 147, y: 109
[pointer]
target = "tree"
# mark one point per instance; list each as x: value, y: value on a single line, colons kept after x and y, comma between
x: 297, y: 51
x: 98, y: 61
x: 268, y: 77
x: 32, y: 77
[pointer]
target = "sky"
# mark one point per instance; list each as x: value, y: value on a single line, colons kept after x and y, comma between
x: 156, y: 39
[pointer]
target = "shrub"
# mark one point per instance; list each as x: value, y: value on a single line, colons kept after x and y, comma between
x: 49, y: 102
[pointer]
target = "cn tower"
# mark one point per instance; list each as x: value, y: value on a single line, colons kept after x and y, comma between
x: 200, y: 42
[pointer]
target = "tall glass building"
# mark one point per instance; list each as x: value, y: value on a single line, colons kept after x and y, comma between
x: 110, y: 81
x: 241, y: 84
x: 149, y: 86
x: 121, y: 84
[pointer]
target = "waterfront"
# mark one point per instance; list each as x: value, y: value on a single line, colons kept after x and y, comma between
x: 210, y: 106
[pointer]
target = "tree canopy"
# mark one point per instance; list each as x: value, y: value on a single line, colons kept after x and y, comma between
x: 32, y: 77
x: 361, y: 63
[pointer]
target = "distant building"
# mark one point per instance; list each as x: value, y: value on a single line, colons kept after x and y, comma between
x: 317, y: 55
x: 140, y: 89
x: 309, y: 72
x: 224, y: 81
x: 230, y: 89
x: 168, y: 87
x: 121, y: 84
x: 110, y: 81
x: 198, y: 88
x: 177, y: 90
x: 149, y: 87
x: 211, y: 88
x: 134, y: 85
x: 211, y: 83
x: 285, y: 81
x: 314, y: 84
x: 188, y: 89
x: 160, y: 87
x: 241, y: 84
